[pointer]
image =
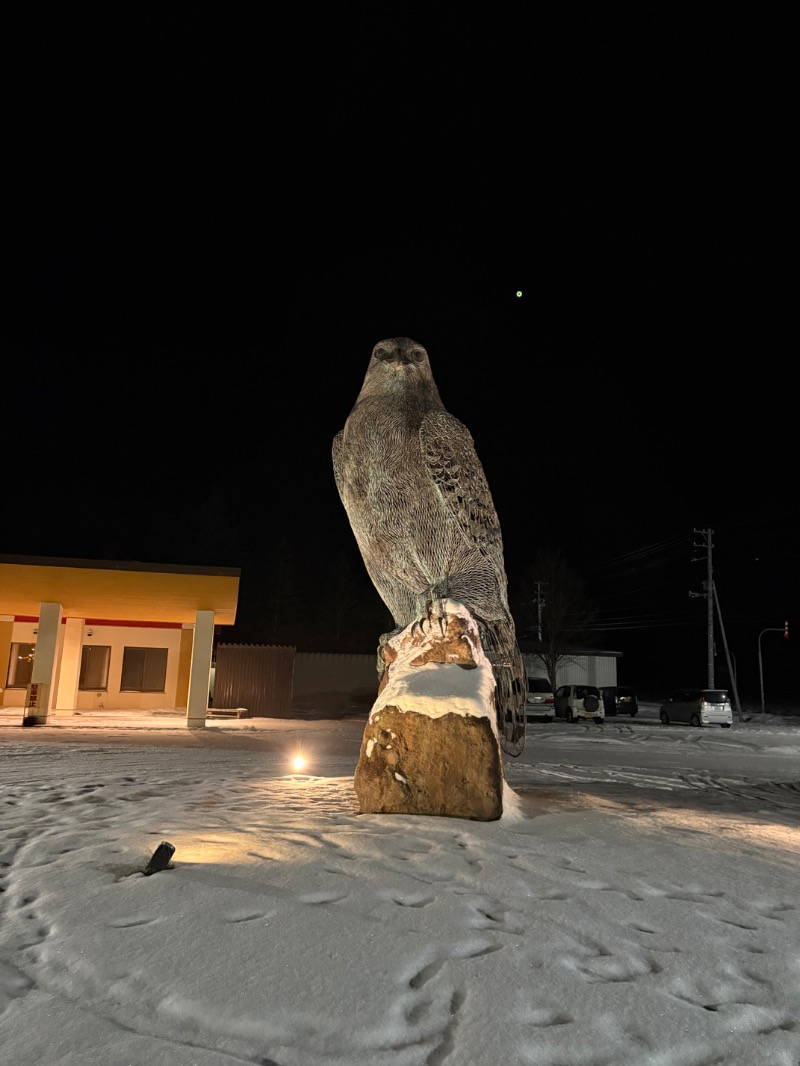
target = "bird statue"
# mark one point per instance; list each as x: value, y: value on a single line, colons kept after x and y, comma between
x: 423, y: 517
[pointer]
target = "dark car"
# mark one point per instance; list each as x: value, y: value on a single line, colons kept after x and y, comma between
x: 619, y: 699
x: 698, y: 707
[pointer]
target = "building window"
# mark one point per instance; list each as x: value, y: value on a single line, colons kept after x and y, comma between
x: 144, y: 670
x: 20, y: 665
x: 94, y: 667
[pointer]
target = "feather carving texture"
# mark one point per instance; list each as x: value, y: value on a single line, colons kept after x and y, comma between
x: 420, y: 508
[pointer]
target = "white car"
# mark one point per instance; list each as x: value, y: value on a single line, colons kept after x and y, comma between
x: 541, y: 701
x: 698, y: 707
x: 583, y: 702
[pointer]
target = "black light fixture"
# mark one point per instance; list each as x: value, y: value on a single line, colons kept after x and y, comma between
x: 160, y: 858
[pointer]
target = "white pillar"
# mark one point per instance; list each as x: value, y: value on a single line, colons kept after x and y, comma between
x: 200, y: 670
x: 43, y: 673
x: 70, y: 669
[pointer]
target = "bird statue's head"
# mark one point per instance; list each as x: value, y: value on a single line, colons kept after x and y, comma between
x: 400, y: 352
x: 397, y: 365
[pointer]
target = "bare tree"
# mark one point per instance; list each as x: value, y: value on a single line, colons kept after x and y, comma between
x: 553, y: 609
x: 352, y: 615
x: 281, y: 599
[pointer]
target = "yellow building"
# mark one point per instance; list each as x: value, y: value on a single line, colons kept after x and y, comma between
x: 82, y: 635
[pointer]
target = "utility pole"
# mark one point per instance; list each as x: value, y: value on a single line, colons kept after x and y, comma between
x: 731, y: 672
x: 539, y: 606
x: 708, y: 585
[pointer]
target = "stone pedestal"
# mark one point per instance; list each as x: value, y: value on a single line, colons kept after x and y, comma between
x: 430, y: 745
x: 414, y: 764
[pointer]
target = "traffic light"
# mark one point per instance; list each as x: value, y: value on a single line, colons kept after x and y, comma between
x: 786, y: 628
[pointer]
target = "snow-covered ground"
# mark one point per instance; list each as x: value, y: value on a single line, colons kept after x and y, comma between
x: 637, y: 904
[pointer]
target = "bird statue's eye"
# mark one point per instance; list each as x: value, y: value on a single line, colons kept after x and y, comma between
x: 417, y: 355
x: 380, y: 353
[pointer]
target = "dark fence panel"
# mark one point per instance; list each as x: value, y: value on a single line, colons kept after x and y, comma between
x: 334, y: 684
x: 255, y: 676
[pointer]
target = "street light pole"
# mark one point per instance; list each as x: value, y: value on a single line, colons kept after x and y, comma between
x: 769, y: 629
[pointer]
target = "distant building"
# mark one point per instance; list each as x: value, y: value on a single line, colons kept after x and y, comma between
x: 581, y: 666
x: 81, y: 635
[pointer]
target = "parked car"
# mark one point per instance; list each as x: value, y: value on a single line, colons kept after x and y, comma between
x: 698, y: 707
x: 541, y: 701
x: 619, y: 699
x: 575, y: 702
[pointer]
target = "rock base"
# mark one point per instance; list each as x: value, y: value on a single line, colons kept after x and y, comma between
x: 430, y: 745
x: 415, y: 764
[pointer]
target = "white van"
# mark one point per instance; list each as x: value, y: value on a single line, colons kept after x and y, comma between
x: 579, y: 702
x: 698, y: 706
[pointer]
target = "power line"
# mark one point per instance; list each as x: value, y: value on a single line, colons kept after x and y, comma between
x: 657, y: 549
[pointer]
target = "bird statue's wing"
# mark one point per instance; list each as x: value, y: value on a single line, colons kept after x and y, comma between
x: 449, y: 452
x: 454, y: 467
x: 336, y: 452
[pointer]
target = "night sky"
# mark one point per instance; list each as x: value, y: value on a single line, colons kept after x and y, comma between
x: 217, y: 210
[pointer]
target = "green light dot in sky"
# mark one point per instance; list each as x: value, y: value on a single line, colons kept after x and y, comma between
x: 519, y: 292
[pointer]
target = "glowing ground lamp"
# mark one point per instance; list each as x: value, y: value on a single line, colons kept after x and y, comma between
x: 298, y: 763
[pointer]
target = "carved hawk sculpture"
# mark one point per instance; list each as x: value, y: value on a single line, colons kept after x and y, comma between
x: 422, y: 514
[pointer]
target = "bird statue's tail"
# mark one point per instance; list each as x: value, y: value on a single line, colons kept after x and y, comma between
x: 511, y: 683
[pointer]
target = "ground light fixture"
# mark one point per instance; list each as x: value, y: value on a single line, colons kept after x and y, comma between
x: 160, y: 858
x: 300, y: 762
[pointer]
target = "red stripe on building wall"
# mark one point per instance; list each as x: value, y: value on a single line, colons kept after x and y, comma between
x: 108, y: 622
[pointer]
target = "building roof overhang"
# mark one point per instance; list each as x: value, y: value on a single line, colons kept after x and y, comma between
x: 117, y: 591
